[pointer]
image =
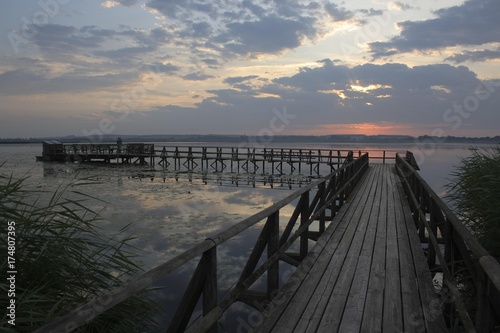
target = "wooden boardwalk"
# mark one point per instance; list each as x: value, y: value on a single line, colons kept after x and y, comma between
x: 367, y: 273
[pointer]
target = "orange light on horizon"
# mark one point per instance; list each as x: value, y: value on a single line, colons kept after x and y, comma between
x: 384, y: 128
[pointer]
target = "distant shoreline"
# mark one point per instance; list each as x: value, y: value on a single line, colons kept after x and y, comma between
x: 360, y: 139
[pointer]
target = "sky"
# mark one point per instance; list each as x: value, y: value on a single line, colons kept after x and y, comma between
x: 260, y: 68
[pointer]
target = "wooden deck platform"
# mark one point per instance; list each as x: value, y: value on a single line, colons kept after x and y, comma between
x: 367, y: 273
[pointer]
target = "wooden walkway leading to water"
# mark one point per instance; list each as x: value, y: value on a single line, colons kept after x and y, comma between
x: 367, y: 273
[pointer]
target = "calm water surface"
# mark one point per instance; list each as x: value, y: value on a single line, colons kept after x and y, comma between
x: 168, y: 216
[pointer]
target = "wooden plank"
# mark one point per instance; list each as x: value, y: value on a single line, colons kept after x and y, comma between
x: 432, y: 319
x: 393, y: 316
x: 410, y: 297
x: 301, y: 278
x: 328, y: 317
x: 373, y: 314
x: 368, y: 274
x: 333, y: 264
x: 355, y: 307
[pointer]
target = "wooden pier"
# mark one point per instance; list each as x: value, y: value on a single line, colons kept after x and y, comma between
x: 367, y: 271
x: 206, y: 159
x: 366, y: 274
x: 132, y: 153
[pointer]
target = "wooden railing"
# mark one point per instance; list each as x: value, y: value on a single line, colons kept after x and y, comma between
x: 135, y: 149
x: 330, y: 193
x: 467, y: 268
x: 271, y: 160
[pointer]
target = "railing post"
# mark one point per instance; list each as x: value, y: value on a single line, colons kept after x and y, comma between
x: 322, y: 200
x: 210, y: 284
x: 304, y: 216
x: 204, y: 281
x: 421, y: 223
x: 334, y: 187
x: 341, y: 183
x: 272, y: 248
x: 484, y: 321
x: 450, y: 257
x: 431, y: 253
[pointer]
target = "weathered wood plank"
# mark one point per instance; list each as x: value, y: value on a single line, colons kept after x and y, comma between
x: 353, y: 313
x: 393, y: 316
x: 431, y: 317
x: 365, y: 278
x: 373, y: 314
x: 298, y: 282
x: 330, y: 316
x: 335, y: 260
x: 410, y: 297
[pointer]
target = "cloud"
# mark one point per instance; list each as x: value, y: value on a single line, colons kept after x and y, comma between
x: 271, y: 34
x: 197, y: 76
x: 474, y: 56
x: 338, y: 13
x: 239, y: 79
x: 402, y: 6
x: 55, y: 39
x: 114, y: 3
x: 26, y: 82
x: 331, y: 94
x: 371, y: 12
x: 241, y: 28
x: 211, y: 63
x: 475, y: 22
x: 167, y: 68
x: 96, y: 50
x: 127, y: 3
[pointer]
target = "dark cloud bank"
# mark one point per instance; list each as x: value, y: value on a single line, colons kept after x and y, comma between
x: 473, y: 23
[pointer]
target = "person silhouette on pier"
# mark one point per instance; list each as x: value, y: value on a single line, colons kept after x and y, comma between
x: 119, y: 144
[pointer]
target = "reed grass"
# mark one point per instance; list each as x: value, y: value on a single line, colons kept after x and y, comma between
x: 64, y: 260
x: 475, y: 192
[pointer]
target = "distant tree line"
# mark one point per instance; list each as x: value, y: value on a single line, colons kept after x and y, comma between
x: 340, y: 138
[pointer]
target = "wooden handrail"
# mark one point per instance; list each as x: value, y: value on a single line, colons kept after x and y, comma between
x: 483, y: 269
x: 340, y: 184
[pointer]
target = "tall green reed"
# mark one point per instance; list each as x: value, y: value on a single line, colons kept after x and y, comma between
x: 64, y: 260
x: 475, y: 192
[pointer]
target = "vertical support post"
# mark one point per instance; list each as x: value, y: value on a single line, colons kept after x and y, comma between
x: 264, y: 162
x: 210, y: 284
x: 300, y: 161
x: 485, y: 322
x: 304, y: 216
x: 421, y: 225
x: 449, y: 257
x: 322, y: 200
x: 341, y: 184
x: 203, y: 282
x: 431, y: 253
x: 272, y: 161
x: 334, y: 206
x: 272, y: 248
x: 310, y: 163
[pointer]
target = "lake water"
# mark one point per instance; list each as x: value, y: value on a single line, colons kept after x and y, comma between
x: 167, y: 216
